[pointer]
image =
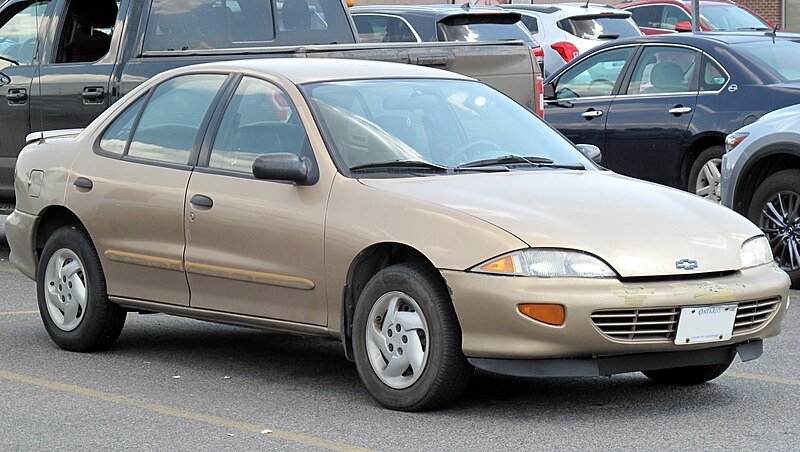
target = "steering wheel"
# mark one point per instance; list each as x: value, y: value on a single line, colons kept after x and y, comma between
x: 599, y: 81
x: 472, y: 151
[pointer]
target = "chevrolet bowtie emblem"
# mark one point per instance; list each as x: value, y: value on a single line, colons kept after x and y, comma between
x: 686, y: 264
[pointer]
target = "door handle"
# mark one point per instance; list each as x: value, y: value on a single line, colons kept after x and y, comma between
x: 17, y: 96
x: 679, y: 110
x: 93, y: 94
x: 83, y: 182
x: 592, y: 114
x: 202, y: 201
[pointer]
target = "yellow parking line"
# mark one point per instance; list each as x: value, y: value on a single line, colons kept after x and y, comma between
x: 767, y: 378
x: 8, y: 270
x: 177, y: 412
x: 19, y: 312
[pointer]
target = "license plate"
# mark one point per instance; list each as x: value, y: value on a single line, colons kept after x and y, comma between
x: 699, y: 324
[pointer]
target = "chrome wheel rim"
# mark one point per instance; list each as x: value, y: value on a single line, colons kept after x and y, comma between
x: 65, y: 289
x: 780, y: 222
x: 708, y: 181
x: 397, y: 340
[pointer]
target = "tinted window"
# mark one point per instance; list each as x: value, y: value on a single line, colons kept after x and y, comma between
x: 647, y: 16
x: 18, y: 36
x: 663, y: 70
x: 599, y: 28
x: 712, y: 77
x: 482, y: 27
x: 779, y: 57
x: 531, y: 23
x: 260, y: 119
x: 169, y: 124
x: 116, y: 136
x: 381, y: 28
x: 594, y: 76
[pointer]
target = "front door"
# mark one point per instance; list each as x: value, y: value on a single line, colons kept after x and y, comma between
x: 256, y: 247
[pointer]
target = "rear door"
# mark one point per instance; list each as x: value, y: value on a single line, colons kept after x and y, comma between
x: 584, y: 93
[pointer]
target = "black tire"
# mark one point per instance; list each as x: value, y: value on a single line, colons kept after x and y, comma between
x: 693, y: 375
x: 785, y: 183
x: 711, y: 153
x: 100, y: 323
x: 445, y: 373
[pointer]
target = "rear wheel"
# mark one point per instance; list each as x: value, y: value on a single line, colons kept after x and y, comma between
x: 775, y: 209
x: 704, y: 177
x: 688, y: 375
x: 71, y: 291
x: 407, y: 341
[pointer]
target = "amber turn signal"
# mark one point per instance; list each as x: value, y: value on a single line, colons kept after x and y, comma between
x: 551, y: 314
x: 503, y: 265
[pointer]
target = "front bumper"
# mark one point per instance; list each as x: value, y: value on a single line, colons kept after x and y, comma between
x: 493, y: 328
x: 21, y: 240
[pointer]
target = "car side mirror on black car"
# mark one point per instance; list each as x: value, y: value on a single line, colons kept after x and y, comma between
x: 549, y: 91
x: 282, y: 166
x: 591, y: 152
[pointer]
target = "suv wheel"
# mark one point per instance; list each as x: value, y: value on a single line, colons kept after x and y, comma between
x: 704, y: 177
x: 775, y: 209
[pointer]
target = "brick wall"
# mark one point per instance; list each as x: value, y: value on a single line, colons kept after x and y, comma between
x: 772, y: 10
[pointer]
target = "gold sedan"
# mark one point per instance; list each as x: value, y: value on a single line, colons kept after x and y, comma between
x: 427, y: 221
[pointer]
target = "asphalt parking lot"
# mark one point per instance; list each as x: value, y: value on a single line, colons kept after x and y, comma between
x: 178, y: 384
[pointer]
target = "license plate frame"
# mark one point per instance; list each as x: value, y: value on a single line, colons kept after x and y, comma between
x: 704, y: 324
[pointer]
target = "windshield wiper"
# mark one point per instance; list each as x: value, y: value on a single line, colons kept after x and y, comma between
x: 405, y: 164
x: 541, y: 162
x: 753, y: 29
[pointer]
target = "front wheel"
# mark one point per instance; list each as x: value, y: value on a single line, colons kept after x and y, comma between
x: 705, y: 175
x: 775, y: 209
x: 693, y: 375
x: 407, y: 341
x: 71, y: 291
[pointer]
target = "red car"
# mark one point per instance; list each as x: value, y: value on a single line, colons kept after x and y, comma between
x: 670, y: 16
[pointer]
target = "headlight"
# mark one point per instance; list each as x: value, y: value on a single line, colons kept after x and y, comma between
x: 547, y: 263
x: 733, y: 140
x: 756, y: 251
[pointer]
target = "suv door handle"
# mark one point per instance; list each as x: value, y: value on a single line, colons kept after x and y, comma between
x: 202, y: 201
x: 93, y: 95
x: 17, y: 96
x: 592, y: 114
x: 679, y: 110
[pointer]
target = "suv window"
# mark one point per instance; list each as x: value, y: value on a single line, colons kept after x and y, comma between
x: 673, y: 15
x: 383, y: 28
x: 169, y: 125
x: 663, y: 70
x: 18, y: 35
x: 531, y: 23
x: 599, y: 27
x: 647, y: 16
x: 594, y: 76
x: 482, y: 27
x: 86, y: 34
x: 260, y: 119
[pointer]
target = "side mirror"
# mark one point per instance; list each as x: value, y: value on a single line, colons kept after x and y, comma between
x: 683, y: 26
x: 549, y: 91
x: 4, y: 79
x: 282, y: 167
x: 591, y: 152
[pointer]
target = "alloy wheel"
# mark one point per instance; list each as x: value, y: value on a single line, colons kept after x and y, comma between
x: 708, y: 181
x: 780, y: 222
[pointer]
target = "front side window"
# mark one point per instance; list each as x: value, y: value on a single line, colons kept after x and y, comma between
x: 673, y: 15
x: 647, y: 16
x: 383, y: 28
x: 169, y: 125
x: 260, y: 119
x: 594, y: 76
x: 18, y: 36
x: 87, y: 30
x: 663, y: 70
x: 445, y: 123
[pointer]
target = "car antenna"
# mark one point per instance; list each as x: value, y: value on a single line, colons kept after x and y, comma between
x: 38, y: 55
x: 773, y: 33
x: 587, y: 4
x: 466, y: 5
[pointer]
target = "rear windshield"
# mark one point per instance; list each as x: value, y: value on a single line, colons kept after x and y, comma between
x: 600, y: 27
x: 483, y: 27
x: 225, y: 24
x: 779, y: 57
x: 731, y: 18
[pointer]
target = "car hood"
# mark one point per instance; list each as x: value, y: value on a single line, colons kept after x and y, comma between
x: 639, y: 228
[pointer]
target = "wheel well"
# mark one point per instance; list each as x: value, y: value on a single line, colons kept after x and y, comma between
x: 694, y: 150
x: 757, y: 173
x: 51, y: 220
x: 369, y: 262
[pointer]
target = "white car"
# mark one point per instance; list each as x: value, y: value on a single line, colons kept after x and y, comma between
x: 566, y: 30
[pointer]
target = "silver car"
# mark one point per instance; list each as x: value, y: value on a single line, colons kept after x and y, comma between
x: 566, y: 30
x: 761, y: 179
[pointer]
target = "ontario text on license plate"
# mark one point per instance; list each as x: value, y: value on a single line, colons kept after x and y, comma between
x: 698, y: 324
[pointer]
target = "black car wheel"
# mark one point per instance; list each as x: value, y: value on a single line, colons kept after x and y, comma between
x: 704, y: 177
x: 775, y: 209
x: 407, y: 341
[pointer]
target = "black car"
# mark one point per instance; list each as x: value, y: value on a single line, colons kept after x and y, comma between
x: 660, y: 106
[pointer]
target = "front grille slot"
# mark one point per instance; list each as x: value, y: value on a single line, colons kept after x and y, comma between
x: 753, y: 314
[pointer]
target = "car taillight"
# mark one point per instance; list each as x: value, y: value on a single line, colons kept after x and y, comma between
x: 538, y: 53
x: 539, y: 96
x: 567, y: 50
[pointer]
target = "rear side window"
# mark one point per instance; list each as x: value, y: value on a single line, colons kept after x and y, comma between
x: 599, y: 27
x: 531, y: 23
x: 482, y: 27
x: 169, y: 124
x: 712, y: 77
x: 383, y: 28
x: 116, y: 137
x: 664, y: 70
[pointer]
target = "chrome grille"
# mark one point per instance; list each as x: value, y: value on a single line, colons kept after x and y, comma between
x: 662, y: 323
x: 752, y: 314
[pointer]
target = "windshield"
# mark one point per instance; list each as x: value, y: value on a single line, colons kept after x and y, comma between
x: 443, y: 123
x: 483, y: 27
x: 731, y: 18
x: 778, y: 57
x: 600, y: 28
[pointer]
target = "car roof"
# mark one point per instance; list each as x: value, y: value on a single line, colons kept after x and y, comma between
x: 626, y: 3
x: 573, y: 9
x: 437, y: 10
x: 310, y: 70
x: 701, y: 38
